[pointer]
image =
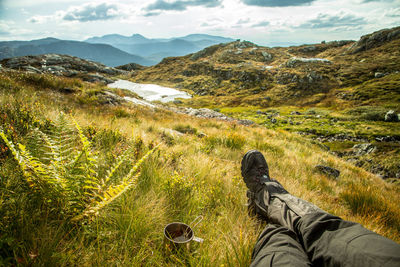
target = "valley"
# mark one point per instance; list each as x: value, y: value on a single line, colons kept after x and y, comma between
x: 91, y: 173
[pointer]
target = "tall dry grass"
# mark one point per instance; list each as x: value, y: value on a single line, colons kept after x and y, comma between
x: 190, y: 175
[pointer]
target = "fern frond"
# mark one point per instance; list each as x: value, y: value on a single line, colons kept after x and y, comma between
x: 109, y: 196
x: 55, y: 166
x: 21, y: 163
x: 113, y: 192
x: 34, y: 171
x: 139, y: 162
x: 90, y: 164
x: 118, y: 163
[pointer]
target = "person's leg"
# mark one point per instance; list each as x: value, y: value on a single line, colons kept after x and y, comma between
x: 278, y: 246
x: 327, y: 239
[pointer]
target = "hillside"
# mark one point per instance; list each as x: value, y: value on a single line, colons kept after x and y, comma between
x: 89, y: 178
x: 241, y: 73
x: 195, y: 171
x: 103, y: 53
x: 338, y: 94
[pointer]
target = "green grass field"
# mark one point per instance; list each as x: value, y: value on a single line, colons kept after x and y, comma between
x: 43, y: 222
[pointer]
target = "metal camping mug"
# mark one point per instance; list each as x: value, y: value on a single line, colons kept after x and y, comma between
x: 179, y: 235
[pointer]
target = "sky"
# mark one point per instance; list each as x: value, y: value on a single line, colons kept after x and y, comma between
x: 264, y: 22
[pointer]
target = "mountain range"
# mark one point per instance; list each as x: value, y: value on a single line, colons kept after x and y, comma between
x: 157, y: 49
x: 113, y: 49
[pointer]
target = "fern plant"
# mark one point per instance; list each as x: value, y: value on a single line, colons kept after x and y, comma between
x: 63, y: 166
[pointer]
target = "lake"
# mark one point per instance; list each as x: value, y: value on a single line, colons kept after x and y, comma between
x: 150, y: 92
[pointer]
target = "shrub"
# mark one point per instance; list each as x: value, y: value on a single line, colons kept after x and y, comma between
x: 232, y: 141
x: 371, y: 113
x: 185, y: 129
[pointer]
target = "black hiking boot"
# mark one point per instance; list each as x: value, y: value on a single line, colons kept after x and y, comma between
x: 255, y: 173
x: 254, y: 170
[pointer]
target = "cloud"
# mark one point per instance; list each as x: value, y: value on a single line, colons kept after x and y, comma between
x: 181, y: 5
x: 212, y: 23
x: 40, y: 19
x: 331, y: 21
x: 368, y: 1
x: 261, y: 24
x: 277, y: 3
x: 8, y: 28
x: 92, y: 12
x: 393, y: 13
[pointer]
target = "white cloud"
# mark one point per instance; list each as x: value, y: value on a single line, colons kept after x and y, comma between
x: 92, y: 12
x: 8, y: 28
x: 87, y: 12
x: 336, y: 21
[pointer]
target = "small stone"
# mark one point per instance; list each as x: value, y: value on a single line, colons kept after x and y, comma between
x: 246, y: 122
x: 331, y: 172
x: 363, y: 149
x: 379, y: 74
x: 391, y: 116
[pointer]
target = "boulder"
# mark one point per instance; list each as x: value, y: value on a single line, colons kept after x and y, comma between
x: 246, y: 122
x: 267, y: 56
x: 131, y: 67
x: 363, y: 149
x: 292, y: 62
x: 391, y: 116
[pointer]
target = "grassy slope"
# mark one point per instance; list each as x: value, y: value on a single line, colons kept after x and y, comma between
x: 221, y: 77
x: 189, y: 176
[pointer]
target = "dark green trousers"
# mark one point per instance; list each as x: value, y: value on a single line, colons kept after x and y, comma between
x: 301, y: 234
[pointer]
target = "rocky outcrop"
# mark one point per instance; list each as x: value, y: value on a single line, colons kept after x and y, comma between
x: 205, y: 52
x: 294, y: 61
x: 131, y: 67
x: 62, y: 65
x: 391, y: 116
x: 375, y: 39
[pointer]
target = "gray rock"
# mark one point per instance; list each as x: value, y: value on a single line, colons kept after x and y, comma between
x: 307, y: 49
x: 201, y: 135
x: 31, y: 69
x: 244, y: 44
x: 273, y: 120
x: 177, y: 102
x: 295, y: 113
x: 363, y: 149
x: 292, y: 62
x: 379, y: 74
x: 331, y: 172
x: 391, y: 116
x: 267, y: 56
x: 246, y: 122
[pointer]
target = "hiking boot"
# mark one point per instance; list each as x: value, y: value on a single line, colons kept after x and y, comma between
x: 254, y: 170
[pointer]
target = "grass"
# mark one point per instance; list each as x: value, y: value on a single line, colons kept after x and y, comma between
x: 188, y: 176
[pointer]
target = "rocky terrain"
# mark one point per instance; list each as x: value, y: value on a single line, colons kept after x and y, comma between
x: 63, y: 65
x: 243, y: 73
x: 348, y: 91
x: 343, y: 95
